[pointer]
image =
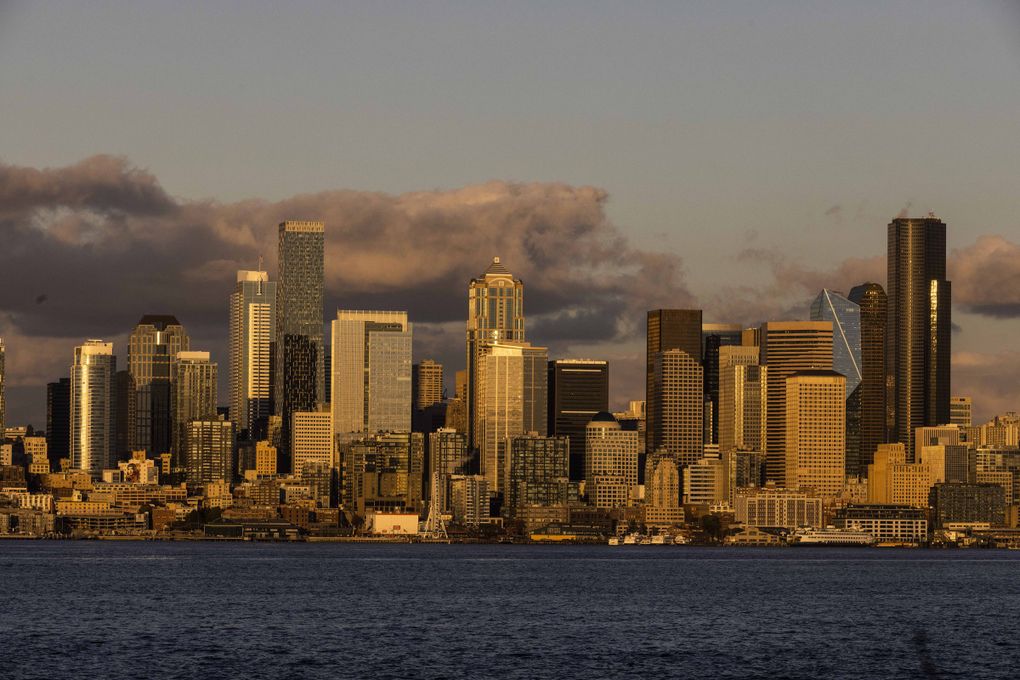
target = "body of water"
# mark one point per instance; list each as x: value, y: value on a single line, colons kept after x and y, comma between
x: 240, y: 610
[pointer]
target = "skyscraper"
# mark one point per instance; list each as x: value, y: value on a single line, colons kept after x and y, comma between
x: 919, y: 326
x: 667, y: 329
x: 960, y: 409
x: 92, y: 417
x: 742, y: 400
x: 210, y: 449
x: 512, y: 399
x: 578, y: 389
x: 194, y: 398
x: 845, y: 316
x: 816, y: 432
x: 152, y: 359
x: 872, y: 392
x: 58, y: 421
x: 300, y: 373
x: 536, y: 472
x: 713, y: 337
x: 788, y: 347
x: 371, y: 371
x: 495, y: 314
x: 312, y: 440
x: 611, y: 466
x: 677, y: 406
x: 427, y: 384
x: 252, y: 353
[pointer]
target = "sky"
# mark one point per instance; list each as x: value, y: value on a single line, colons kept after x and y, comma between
x: 618, y: 156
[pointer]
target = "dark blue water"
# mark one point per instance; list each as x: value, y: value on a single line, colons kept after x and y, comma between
x: 199, y: 610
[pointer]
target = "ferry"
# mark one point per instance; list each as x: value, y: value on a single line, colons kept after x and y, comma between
x: 831, y: 536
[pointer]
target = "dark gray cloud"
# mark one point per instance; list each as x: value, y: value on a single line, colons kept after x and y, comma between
x: 91, y: 247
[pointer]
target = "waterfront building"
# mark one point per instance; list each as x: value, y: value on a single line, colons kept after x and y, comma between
x: 469, y: 500
x: 578, y: 390
x: 91, y: 418
x: 252, y: 353
x: 788, y: 347
x: 448, y: 455
x: 919, y: 326
x: 955, y: 503
x: 536, y: 472
x: 893, y: 523
x: 705, y: 481
x: 371, y: 371
x: 299, y: 380
x: 777, y: 507
x: 383, y: 472
x: 495, y: 314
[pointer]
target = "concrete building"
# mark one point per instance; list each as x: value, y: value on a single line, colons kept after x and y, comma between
x: 893, y: 481
x: 536, y: 472
x: 469, y: 500
x: 816, y: 432
x: 968, y: 504
x: 194, y: 394
x: 960, y: 411
x: 371, y: 371
x: 448, y: 455
x: 894, y: 523
x: 777, y: 507
x: 210, y: 450
x: 611, y: 466
x: 265, y: 459
x: 383, y: 472
x: 495, y: 314
x: 676, y: 409
x: 92, y: 424
x: 669, y: 329
x: 312, y: 439
x: 788, y: 347
x: 705, y: 481
x: 252, y: 352
x: 662, y: 491
x: 426, y: 384
x: 742, y: 400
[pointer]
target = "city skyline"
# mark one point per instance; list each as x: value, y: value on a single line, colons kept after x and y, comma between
x: 692, y: 173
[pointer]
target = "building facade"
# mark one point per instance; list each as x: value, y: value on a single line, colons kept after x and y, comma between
x: 668, y: 329
x: 578, y: 390
x: 816, y: 432
x: 611, y: 466
x: 152, y: 361
x: 252, y: 352
x: 871, y: 398
x: 92, y: 426
x: 676, y: 411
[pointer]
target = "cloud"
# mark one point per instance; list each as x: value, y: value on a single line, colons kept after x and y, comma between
x: 990, y: 378
x: 101, y: 243
x: 986, y: 277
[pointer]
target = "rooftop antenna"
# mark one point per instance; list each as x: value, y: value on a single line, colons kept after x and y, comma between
x: 260, y: 275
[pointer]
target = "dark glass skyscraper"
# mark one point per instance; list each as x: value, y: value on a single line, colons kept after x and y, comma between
x: 871, y: 393
x: 714, y: 336
x: 300, y: 369
x: 668, y: 329
x: 58, y: 421
x: 578, y: 389
x: 918, y: 330
x: 152, y: 358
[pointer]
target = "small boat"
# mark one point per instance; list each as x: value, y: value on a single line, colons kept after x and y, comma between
x: 615, y: 540
x: 659, y: 539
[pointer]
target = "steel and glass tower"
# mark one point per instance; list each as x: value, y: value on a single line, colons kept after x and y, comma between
x: 300, y: 370
x: 252, y: 350
x: 578, y: 390
x: 495, y: 314
x: 668, y: 329
x: 919, y: 326
x: 871, y: 299
x: 152, y: 360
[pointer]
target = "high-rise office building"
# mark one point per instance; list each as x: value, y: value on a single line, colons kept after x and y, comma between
x: 677, y: 406
x: 872, y: 393
x: 816, y: 432
x: 536, y: 472
x: 312, y: 439
x: 714, y: 336
x: 919, y: 326
x: 578, y: 389
x: 668, y: 329
x: 512, y: 399
x: 252, y: 353
x: 742, y: 402
x: 845, y: 316
x: 611, y: 465
x: 152, y: 360
x: 371, y: 371
x: 426, y: 384
x: 209, y: 451
x: 788, y: 347
x: 194, y: 398
x: 92, y: 417
x: 300, y: 370
x: 960, y: 410
x: 495, y: 314
x: 58, y: 421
